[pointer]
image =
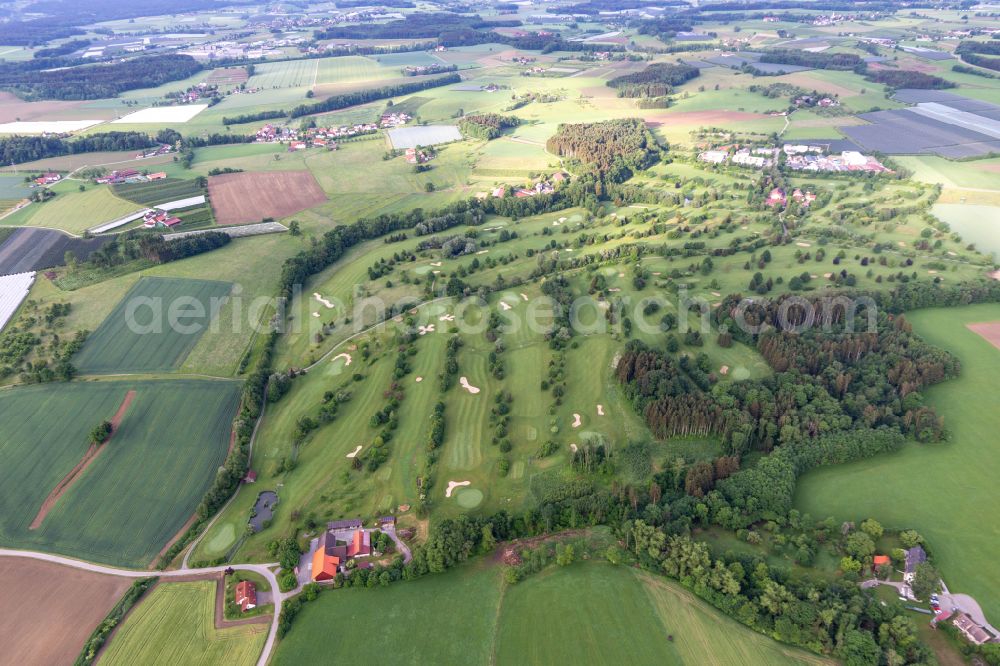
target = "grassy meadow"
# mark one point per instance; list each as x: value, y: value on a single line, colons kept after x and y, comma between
x: 142, y: 486
x: 941, y: 490
x: 589, y: 611
x: 175, y: 624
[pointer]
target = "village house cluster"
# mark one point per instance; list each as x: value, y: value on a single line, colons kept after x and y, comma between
x: 797, y: 158
x: 325, y: 137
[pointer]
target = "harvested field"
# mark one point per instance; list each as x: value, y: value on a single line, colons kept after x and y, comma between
x: 241, y: 198
x: 227, y: 76
x: 30, y: 249
x: 657, y: 117
x: 13, y: 109
x: 990, y: 331
x: 40, y: 623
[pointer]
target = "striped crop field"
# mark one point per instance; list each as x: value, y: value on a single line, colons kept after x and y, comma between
x: 138, y: 335
x: 140, y: 487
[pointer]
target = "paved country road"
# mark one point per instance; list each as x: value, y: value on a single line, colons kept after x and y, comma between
x: 261, y: 569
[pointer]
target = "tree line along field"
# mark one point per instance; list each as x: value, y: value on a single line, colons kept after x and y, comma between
x: 73, y: 211
x: 942, y: 490
x: 588, y: 612
x: 140, y: 488
x: 137, y: 335
x: 175, y: 623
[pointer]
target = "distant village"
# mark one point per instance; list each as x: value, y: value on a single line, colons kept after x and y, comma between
x: 326, y: 137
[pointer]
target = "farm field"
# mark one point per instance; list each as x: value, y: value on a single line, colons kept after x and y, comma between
x: 157, y: 192
x: 175, y: 623
x: 240, y: 198
x: 561, y: 615
x: 905, y: 489
x: 35, y: 601
x: 976, y: 223
x: 139, y: 334
x: 139, y: 489
x: 73, y: 211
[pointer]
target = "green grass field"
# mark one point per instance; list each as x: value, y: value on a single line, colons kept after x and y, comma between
x: 175, y: 624
x: 586, y: 613
x: 157, y: 191
x: 74, y: 211
x: 942, y: 490
x: 138, y: 492
x: 153, y: 327
x: 976, y: 223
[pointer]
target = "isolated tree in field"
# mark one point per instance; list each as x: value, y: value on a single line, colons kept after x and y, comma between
x: 101, y: 432
x: 926, y: 580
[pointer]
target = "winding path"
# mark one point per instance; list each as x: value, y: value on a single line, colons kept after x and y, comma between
x: 260, y: 569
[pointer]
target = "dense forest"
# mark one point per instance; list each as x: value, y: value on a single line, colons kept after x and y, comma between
x: 824, y: 383
x: 19, y: 149
x: 821, y: 60
x: 486, y: 125
x: 656, y: 80
x: 615, y: 149
x: 29, y: 82
x: 904, y: 78
x: 417, y: 25
x: 979, y: 54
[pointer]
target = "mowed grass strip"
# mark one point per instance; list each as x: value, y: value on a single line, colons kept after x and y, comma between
x: 138, y: 492
x: 589, y: 612
x: 175, y: 624
x: 139, y: 336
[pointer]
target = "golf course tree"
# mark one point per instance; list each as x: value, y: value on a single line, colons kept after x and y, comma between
x: 101, y: 432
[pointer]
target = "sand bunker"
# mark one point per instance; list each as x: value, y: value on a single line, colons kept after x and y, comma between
x: 505, y: 306
x: 435, y: 263
x: 576, y: 421
x: 322, y: 300
x: 482, y: 252
x: 562, y: 219
x: 315, y: 314
x: 347, y: 358
x: 827, y: 275
x: 573, y: 448
x: 464, y: 381
x: 355, y: 452
x: 600, y: 410
x: 424, y: 330
x: 524, y: 296
x: 446, y: 317
x: 800, y: 244
x: 418, y: 379
x: 724, y: 370
x: 614, y: 290
x: 455, y: 484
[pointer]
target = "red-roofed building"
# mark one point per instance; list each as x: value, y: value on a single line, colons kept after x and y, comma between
x: 246, y: 595
x: 324, y: 566
x: 360, y: 544
x: 882, y: 559
x: 776, y: 197
x: 251, y: 477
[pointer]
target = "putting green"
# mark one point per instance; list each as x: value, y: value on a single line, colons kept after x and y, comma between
x: 225, y: 538
x: 469, y: 498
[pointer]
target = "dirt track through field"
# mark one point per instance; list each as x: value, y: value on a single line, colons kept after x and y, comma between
x: 88, y: 458
x: 239, y: 198
x: 989, y: 331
